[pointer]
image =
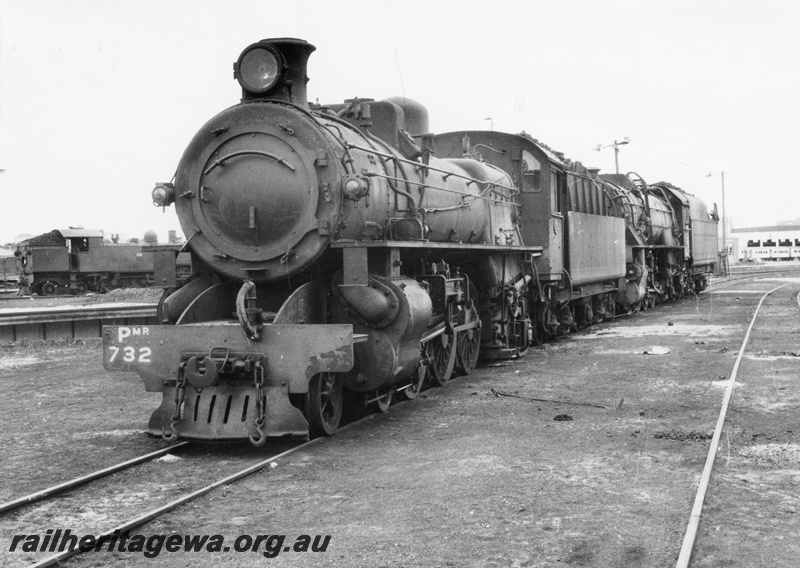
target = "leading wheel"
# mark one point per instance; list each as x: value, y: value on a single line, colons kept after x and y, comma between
x: 383, y: 399
x: 324, y: 404
x: 418, y: 377
x: 417, y: 380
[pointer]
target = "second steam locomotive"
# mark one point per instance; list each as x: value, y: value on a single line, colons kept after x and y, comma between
x: 343, y: 251
x: 77, y: 261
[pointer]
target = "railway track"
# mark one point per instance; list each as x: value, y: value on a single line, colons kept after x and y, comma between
x: 690, y: 536
x: 755, y: 274
x: 42, y: 494
x: 88, y: 494
x: 45, y: 497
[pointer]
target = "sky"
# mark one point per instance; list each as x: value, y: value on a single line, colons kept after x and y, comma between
x: 99, y: 98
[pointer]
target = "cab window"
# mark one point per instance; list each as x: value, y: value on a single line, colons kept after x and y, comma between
x: 78, y: 245
x: 531, y: 173
x: 555, y: 195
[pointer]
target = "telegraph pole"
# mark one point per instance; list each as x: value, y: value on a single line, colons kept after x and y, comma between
x: 724, y: 223
x: 616, y: 146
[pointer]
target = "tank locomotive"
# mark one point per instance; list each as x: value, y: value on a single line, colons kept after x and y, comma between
x: 343, y: 251
x: 77, y: 261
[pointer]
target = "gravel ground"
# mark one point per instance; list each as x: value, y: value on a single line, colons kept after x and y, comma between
x: 600, y: 471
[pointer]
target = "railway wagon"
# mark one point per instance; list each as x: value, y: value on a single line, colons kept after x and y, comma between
x: 76, y: 261
x: 344, y: 252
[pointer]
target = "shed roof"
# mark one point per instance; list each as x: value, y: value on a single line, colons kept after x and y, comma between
x: 72, y: 233
x: 768, y: 229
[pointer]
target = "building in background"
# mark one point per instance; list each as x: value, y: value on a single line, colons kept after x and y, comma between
x: 761, y: 244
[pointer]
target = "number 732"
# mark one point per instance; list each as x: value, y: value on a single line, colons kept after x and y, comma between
x: 130, y: 354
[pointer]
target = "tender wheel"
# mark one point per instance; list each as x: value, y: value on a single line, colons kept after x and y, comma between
x: 384, y: 399
x: 611, y: 312
x: 48, y: 288
x: 81, y: 288
x: 324, y: 404
x: 441, y: 347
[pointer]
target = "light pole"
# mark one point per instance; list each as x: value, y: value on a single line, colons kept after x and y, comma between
x: 724, y: 225
x: 616, y: 146
x: 491, y: 123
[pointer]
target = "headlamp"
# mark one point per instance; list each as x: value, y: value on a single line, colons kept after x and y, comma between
x: 163, y: 194
x: 355, y: 187
x: 259, y: 69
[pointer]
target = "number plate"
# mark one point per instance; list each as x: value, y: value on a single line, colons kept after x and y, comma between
x: 126, y: 347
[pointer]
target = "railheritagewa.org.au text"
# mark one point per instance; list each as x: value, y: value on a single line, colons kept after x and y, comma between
x: 150, y: 546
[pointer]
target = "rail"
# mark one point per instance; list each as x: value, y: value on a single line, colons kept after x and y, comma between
x: 690, y: 535
x: 262, y: 465
x: 78, y: 481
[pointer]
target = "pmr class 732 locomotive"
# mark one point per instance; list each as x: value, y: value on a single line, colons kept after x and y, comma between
x: 342, y: 251
x: 77, y: 261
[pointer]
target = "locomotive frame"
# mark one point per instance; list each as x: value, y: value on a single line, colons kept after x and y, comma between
x: 344, y: 250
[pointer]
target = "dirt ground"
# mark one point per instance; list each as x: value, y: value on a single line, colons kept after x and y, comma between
x: 605, y: 477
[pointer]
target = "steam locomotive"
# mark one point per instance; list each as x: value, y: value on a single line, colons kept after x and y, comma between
x: 77, y: 261
x: 344, y: 252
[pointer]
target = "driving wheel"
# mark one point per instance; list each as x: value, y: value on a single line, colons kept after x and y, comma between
x: 439, y: 370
